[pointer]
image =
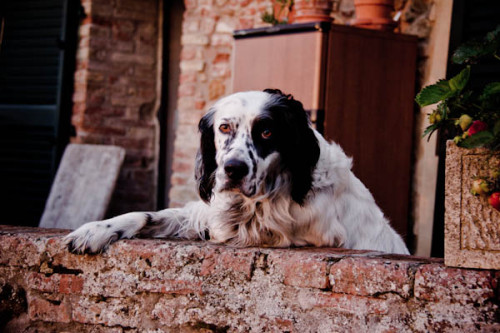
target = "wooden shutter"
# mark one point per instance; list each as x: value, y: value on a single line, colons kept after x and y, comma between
x: 33, y: 102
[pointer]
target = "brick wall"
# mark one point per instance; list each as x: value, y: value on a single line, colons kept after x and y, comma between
x: 179, y: 286
x: 115, y: 98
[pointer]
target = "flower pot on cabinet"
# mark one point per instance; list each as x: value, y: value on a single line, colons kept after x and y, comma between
x: 312, y: 11
x: 374, y: 14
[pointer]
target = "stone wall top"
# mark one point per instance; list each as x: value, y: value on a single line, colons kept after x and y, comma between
x: 168, y: 285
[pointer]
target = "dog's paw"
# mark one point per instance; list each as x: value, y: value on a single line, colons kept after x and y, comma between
x: 92, y: 238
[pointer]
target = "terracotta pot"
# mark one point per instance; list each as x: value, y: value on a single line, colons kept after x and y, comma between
x: 374, y: 14
x: 312, y: 11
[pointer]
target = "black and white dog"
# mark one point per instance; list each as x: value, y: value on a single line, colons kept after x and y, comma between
x: 266, y: 178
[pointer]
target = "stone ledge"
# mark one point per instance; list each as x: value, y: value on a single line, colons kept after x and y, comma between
x: 171, y: 286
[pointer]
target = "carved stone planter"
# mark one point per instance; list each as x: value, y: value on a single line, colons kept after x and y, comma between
x: 472, y: 226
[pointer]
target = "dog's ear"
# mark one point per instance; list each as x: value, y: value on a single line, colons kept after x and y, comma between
x: 298, y: 146
x: 205, y: 159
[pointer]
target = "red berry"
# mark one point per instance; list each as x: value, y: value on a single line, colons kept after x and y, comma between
x: 494, y: 200
x: 477, y: 126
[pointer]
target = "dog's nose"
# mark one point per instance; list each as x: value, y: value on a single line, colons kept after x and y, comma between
x: 236, y: 169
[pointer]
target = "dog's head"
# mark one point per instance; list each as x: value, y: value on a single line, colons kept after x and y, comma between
x: 254, y: 143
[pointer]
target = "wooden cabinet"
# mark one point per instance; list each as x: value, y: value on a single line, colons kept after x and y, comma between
x: 358, y: 85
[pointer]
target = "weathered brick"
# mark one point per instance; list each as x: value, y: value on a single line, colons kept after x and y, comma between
x: 216, y: 89
x: 195, y: 39
x: 245, y: 23
x: 192, y: 65
x: 299, y: 269
x: 222, y: 40
x: 225, y: 27
x: 363, y: 276
x: 50, y: 310
x: 237, y: 263
x: 207, y: 25
x: 55, y: 283
x: 107, y: 311
x: 221, y: 57
x: 200, y: 105
x: 133, y: 58
x: 187, y: 78
x: 221, y: 70
x: 171, y: 286
x: 165, y: 309
x: 355, y: 305
x: 187, y: 90
x: 437, y: 283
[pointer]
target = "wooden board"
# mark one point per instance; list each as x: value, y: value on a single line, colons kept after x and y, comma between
x: 274, y: 62
x: 83, y: 185
x: 369, y: 112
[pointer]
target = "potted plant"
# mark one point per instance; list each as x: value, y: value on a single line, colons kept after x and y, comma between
x: 299, y: 11
x: 470, y: 115
x: 281, y: 13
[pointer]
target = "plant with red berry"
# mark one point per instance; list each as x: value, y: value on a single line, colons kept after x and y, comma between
x: 473, y: 115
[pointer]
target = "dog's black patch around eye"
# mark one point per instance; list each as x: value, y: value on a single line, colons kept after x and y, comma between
x: 263, y: 146
x: 294, y: 140
x: 205, y: 160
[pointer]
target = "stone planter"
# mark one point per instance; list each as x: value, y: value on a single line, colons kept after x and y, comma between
x: 472, y: 226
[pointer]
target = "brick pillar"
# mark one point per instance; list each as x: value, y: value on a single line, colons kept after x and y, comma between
x: 115, y: 98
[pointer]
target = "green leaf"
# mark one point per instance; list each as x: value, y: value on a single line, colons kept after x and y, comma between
x: 429, y: 130
x: 434, y: 93
x: 443, y: 89
x: 472, y: 50
x: 493, y: 35
x: 496, y: 128
x: 458, y: 82
x: 468, y: 51
x: 490, y: 89
x: 477, y: 140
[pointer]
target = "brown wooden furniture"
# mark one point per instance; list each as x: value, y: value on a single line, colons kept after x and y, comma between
x: 358, y: 84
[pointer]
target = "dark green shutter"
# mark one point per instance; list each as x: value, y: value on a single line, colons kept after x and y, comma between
x: 37, y: 52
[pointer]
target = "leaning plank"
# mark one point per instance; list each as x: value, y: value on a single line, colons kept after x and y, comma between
x: 83, y: 185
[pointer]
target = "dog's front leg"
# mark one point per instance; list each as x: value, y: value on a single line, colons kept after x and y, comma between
x: 94, y: 237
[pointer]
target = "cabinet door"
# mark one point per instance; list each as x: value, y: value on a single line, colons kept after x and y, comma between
x: 291, y: 62
x: 369, y: 112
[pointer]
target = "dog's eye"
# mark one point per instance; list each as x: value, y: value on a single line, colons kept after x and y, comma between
x: 266, y: 134
x: 225, y: 128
